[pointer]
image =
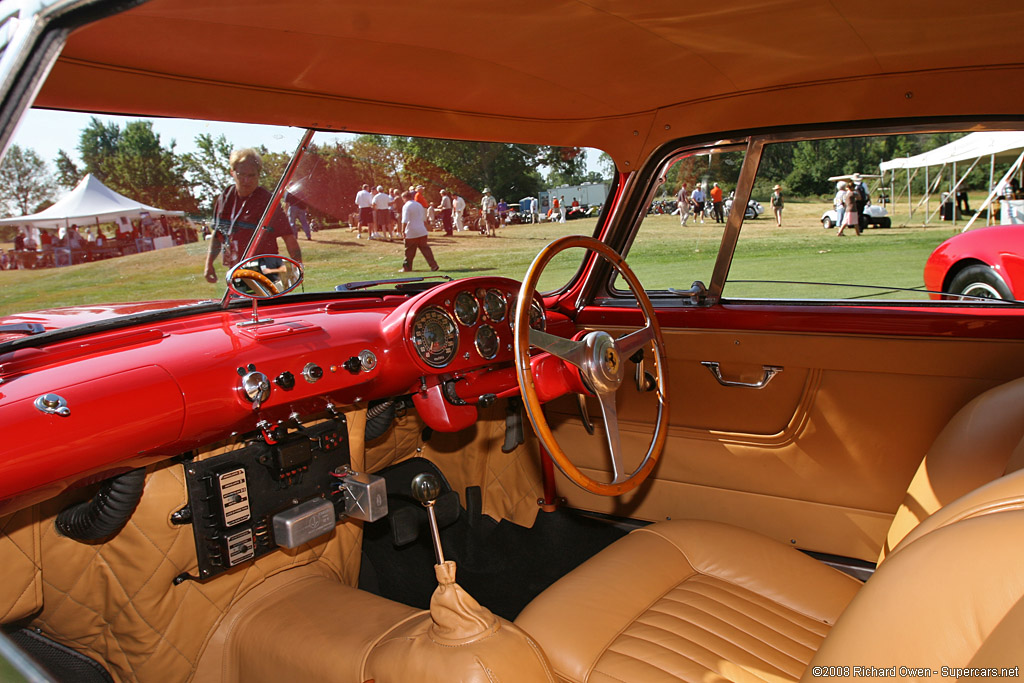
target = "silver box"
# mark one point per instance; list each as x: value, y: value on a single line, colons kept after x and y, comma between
x: 303, y: 523
x: 366, y: 496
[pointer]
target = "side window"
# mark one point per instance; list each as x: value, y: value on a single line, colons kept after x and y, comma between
x: 679, y: 238
x: 884, y: 218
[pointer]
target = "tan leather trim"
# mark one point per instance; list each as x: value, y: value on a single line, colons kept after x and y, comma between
x: 851, y: 428
x: 705, y: 593
x: 21, y: 589
x: 954, y: 597
x: 978, y: 446
x: 116, y: 601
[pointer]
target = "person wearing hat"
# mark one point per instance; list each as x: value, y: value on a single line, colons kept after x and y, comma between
x: 838, y: 202
x: 381, y: 215
x: 862, y: 198
x: 488, y: 214
x: 777, y: 203
x: 420, y: 197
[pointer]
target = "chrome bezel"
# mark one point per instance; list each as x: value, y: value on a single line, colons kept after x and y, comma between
x: 504, y: 305
x: 454, y: 333
x: 476, y: 313
x: 497, y: 342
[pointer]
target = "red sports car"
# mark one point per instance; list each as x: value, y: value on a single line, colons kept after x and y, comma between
x: 985, y: 263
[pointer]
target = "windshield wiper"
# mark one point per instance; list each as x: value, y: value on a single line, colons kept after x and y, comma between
x: 366, y: 284
x: 22, y: 328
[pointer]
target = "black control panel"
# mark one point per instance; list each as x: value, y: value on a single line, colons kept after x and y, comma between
x: 250, y: 501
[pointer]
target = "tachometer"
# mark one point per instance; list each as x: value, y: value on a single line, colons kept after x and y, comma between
x: 495, y: 306
x: 435, y: 336
x: 467, y: 308
x: 487, y: 342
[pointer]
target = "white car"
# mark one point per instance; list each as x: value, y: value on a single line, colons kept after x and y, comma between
x: 877, y: 217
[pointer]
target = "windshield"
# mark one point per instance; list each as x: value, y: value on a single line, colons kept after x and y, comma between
x: 128, y: 210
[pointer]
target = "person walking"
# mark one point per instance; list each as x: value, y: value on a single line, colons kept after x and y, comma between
x: 683, y: 203
x: 488, y: 214
x: 415, y: 229
x: 777, y: 204
x: 851, y: 217
x: 237, y: 211
x: 837, y: 202
x: 561, y: 209
x: 697, y: 198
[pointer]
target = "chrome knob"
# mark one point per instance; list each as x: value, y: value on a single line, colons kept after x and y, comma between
x: 426, y: 488
x: 52, y: 404
x: 256, y: 388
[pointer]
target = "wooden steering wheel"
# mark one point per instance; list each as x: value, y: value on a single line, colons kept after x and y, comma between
x: 600, y: 359
x: 246, y: 274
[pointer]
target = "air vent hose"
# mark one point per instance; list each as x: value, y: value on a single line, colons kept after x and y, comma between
x: 379, y: 417
x: 106, y: 512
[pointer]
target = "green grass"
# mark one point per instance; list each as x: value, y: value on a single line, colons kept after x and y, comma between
x: 664, y: 255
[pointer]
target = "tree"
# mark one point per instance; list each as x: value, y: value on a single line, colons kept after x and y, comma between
x: 25, y: 182
x: 68, y: 174
x: 207, y: 170
x: 133, y: 161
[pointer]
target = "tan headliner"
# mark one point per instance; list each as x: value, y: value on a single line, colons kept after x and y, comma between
x: 621, y: 75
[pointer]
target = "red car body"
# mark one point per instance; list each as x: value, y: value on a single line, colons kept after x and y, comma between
x: 999, y: 248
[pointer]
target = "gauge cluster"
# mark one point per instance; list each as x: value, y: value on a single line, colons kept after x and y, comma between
x: 462, y: 324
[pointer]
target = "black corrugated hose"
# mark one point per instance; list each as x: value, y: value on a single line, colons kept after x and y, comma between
x: 379, y: 417
x: 106, y: 512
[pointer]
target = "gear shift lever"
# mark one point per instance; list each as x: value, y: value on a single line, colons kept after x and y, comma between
x: 426, y: 488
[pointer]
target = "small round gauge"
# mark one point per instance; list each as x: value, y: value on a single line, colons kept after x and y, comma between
x: 495, y: 305
x: 467, y: 308
x: 435, y: 336
x: 538, y: 318
x: 487, y: 342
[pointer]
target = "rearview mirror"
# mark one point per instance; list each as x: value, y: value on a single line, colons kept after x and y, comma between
x: 264, y: 276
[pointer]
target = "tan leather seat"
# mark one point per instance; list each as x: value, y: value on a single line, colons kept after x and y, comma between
x: 702, y: 601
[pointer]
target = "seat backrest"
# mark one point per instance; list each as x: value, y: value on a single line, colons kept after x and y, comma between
x: 982, y: 442
x: 950, y: 595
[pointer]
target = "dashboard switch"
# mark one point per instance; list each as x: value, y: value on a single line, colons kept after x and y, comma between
x: 353, y: 365
x: 312, y: 372
x: 285, y: 380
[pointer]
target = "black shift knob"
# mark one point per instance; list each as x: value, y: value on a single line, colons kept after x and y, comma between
x: 426, y: 488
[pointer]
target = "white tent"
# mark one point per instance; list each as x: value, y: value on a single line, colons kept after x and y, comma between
x: 973, y: 147
x: 1002, y: 144
x: 91, y: 201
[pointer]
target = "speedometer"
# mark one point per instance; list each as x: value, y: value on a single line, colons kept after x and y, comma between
x: 435, y: 337
x: 467, y: 308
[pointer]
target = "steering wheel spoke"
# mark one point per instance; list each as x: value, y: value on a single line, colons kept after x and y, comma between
x: 611, y: 429
x: 573, y: 352
x: 629, y: 344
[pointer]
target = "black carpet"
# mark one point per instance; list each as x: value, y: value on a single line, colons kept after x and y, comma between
x: 502, y: 565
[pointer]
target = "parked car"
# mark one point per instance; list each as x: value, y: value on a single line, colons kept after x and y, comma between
x: 877, y: 217
x: 984, y: 262
x: 654, y: 453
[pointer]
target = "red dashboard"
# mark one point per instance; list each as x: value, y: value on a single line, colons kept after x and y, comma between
x: 86, y: 406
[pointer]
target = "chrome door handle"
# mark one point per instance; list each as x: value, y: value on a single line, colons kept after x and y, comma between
x: 769, y: 372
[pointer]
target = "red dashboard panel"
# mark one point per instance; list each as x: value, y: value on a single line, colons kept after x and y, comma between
x: 142, y: 394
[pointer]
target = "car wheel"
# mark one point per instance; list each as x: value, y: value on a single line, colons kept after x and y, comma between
x: 885, y: 223
x: 981, y: 282
x: 827, y: 223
